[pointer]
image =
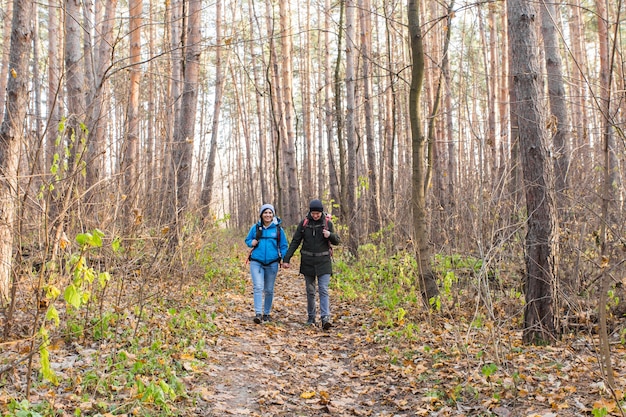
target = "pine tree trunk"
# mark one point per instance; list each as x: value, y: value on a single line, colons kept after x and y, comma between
x: 185, y: 123
x: 291, y: 210
x: 11, y: 134
x: 350, y: 203
x: 207, y: 188
x: 559, y: 120
x: 541, y: 257
x: 129, y: 162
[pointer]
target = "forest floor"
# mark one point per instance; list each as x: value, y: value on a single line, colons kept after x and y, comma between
x: 440, y: 367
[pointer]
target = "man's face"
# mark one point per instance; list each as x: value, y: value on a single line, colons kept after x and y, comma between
x: 316, y: 215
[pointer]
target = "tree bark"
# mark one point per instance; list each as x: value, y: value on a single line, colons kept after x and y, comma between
x: 131, y: 147
x: 374, y: 222
x: 427, y: 280
x: 350, y: 184
x: 207, y: 188
x: 541, y: 256
x: 559, y: 119
x: 291, y: 210
x: 5, y: 49
x: 185, y: 122
x: 11, y: 134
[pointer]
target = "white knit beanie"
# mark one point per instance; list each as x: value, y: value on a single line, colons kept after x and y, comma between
x: 265, y: 207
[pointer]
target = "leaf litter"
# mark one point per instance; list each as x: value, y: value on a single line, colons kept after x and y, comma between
x: 357, y: 368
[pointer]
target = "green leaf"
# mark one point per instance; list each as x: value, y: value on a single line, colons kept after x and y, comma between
x: 53, y: 315
x: 46, y: 370
x: 116, y: 245
x: 72, y: 296
x: 83, y: 238
x: 103, y: 278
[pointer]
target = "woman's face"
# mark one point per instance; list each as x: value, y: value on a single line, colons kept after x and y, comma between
x: 267, y: 216
x: 316, y: 215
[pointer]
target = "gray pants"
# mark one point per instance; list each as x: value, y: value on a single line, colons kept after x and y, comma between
x: 322, y: 287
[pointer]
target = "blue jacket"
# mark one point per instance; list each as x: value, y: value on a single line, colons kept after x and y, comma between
x: 267, y: 250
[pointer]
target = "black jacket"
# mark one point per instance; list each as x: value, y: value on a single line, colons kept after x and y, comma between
x: 315, y: 257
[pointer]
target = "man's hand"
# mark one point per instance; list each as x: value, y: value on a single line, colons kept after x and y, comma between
x: 285, y: 265
x: 326, y: 233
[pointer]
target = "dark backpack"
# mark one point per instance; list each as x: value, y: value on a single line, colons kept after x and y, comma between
x: 327, y: 218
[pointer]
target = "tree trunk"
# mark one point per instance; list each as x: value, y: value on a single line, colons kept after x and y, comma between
x: 207, y: 188
x: 11, y: 134
x: 427, y: 280
x: 185, y: 122
x: 333, y: 116
x: 541, y: 257
x: 292, y: 210
x: 391, y: 124
x: 339, y: 122
x: 374, y: 221
x: 579, y: 112
x: 129, y: 162
x: 309, y: 170
x: 611, y: 183
x: 350, y: 204
x: 275, y: 83
x: 174, y: 20
x: 559, y: 120
x: 97, y: 121
x: 4, y: 64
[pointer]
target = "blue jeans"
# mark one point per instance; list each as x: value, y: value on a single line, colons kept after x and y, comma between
x: 322, y: 287
x: 263, y: 280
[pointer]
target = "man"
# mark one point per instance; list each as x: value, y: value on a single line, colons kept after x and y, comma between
x: 316, y: 233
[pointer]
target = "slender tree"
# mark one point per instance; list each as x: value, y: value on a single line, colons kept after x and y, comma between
x: 131, y: 146
x: 372, y: 172
x: 289, y: 147
x: 97, y: 95
x: 426, y: 277
x: 541, y: 256
x: 559, y: 119
x: 7, y: 15
x: 185, y: 120
x: 208, y: 187
x: 349, y: 205
x: 12, y: 133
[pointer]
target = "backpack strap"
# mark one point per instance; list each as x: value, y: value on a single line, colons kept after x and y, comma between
x: 327, y: 217
x: 259, y: 234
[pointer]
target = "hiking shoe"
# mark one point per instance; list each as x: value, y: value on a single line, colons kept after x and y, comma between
x: 326, y: 324
x: 257, y: 319
x: 310, y: 321
x: 266, y: 317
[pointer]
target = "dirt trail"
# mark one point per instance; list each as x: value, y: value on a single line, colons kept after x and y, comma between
x: 285, y: 368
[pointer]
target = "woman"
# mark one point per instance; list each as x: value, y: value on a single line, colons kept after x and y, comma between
x: 269, y: 245
x: 316, y: 233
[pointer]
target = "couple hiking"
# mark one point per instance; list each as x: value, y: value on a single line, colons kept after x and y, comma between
x: 270, y: 251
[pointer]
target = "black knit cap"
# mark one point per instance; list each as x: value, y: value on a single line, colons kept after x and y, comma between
x: 316, y: 205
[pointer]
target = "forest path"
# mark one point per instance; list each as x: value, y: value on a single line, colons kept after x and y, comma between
x: 285, y: 368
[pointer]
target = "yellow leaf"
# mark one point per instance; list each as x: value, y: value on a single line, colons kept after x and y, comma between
x: 604, y: 262
x: 609, y: 405
x: 13, y: 73
x: 325, y: 397
x: 307, y: 395
x: 64, y: 241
